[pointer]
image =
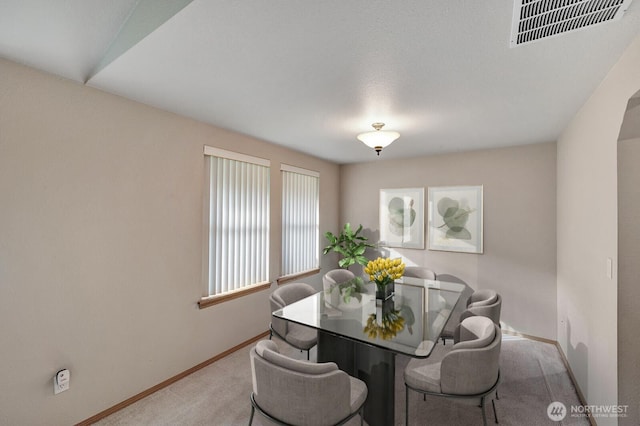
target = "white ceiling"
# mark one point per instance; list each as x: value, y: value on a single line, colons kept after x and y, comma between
x: 310, y: 75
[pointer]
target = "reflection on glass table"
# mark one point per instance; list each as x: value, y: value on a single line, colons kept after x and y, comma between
x: 424, y: 305
x: 387, y: 322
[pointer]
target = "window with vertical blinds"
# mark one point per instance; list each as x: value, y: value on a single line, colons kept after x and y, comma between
x: 300, y: 219
x: 238, y: 221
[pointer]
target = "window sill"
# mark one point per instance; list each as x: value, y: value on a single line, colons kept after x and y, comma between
x: 205, y: 302
x: 294, y: 277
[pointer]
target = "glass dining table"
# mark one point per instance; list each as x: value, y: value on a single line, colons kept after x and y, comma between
x: 363, y: 334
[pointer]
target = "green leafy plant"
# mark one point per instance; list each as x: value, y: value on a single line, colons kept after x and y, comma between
x: 348, y: 289
x: 351, y: 245
x: 353, y: 288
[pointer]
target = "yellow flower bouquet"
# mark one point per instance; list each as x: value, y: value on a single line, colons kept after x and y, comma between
x: 383, y: 271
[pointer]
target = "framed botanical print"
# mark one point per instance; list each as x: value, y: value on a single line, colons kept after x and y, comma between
x: 402, y: 218
x: 455, y: 219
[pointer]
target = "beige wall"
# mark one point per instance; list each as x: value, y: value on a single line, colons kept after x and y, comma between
x: 587, y: 233
x: 629, y: 275
x: 519, y: 259
x: 100, y: 246
x: 631, y: 124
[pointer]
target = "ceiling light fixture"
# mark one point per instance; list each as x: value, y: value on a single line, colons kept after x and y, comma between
x: 378, y: 139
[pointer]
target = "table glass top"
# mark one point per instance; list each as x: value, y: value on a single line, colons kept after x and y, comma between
x: 409, y: 322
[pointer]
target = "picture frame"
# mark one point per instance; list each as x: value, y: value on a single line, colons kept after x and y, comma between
x: 402, y: 218
x: 455, y: 219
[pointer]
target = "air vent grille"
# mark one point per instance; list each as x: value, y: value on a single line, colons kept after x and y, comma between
x: 537, y: 19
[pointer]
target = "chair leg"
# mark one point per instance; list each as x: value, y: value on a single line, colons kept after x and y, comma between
x: 497, y: 396
x: 495, y: 413
x: 484, y: 414
x: 308, y: 350
x: 406, y: 405
x: 362, y: 415
x: 253, y: 410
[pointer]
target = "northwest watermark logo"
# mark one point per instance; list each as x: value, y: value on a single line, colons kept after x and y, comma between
x: 556, y: 411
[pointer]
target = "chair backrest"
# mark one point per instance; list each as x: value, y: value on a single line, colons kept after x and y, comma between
x: 286, y: 295
x: 289, y: 293
x: 488, y: 304
x: 475, y: 332
x: 473, y: 365
x: 337, y: 276
x: 419, y: 272
x: 298, y: 392
x: 482, y: 297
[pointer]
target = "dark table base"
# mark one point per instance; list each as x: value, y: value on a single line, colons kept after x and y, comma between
x: 372, y: 365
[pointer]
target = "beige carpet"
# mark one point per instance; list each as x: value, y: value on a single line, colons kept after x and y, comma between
x: 533, y: 376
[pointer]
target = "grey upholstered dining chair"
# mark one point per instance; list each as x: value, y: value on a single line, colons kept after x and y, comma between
x: 298, y: 336
x: 470, y: 370
x: 485, y: 303
x: 333, y: 279
x: 337, y: 276
x: 294, y: 392
x: 434, y: 304
x: 419, y: 272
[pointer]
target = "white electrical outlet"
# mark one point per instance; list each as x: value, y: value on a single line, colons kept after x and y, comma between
x: 61, y: 381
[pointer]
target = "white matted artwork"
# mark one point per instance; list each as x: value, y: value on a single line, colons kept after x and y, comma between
x: 455, y: 218
x: 402, y: 218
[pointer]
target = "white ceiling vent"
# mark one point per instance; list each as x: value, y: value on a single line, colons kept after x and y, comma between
x: 537, y: 19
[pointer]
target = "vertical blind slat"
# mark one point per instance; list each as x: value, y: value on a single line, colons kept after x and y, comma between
x: 239, y: 224
x: 300, y: 225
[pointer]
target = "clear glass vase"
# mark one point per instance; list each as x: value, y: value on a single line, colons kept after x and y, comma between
x: 384, y: 291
